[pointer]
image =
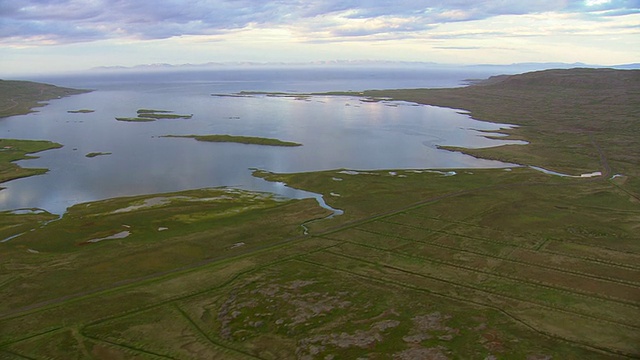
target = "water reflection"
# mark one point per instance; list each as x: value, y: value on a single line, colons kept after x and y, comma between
x: 361, y: 136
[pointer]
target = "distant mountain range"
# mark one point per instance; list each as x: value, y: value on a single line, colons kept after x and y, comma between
x: 516, y: 67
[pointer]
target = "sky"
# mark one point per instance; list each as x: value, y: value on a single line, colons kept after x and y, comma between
x: 48, y: 36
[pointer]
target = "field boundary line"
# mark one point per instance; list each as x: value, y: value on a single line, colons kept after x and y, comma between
x: 31, y: 336
x: 151, y: 278
x: 129, y: 347
x: 591, y: 317
x: 507, y: 259
x: 478, y: 304
x: 15, y: 355
x: 596, y: 260
x: 207, y: 337
x: 561, y: 290
x: 185, y: 296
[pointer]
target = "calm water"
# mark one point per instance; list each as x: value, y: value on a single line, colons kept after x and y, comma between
x: 337, y: 132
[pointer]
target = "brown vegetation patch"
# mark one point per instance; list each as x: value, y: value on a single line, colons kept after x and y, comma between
x: 436, y: 353
x: 427, y: 326
x: 284, y: 306
x: 364, y: 339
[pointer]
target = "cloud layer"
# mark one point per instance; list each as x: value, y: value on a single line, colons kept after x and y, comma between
x: 37, y: 22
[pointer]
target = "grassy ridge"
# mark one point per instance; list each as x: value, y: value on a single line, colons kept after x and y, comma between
x: 562, y: 113
x: 237, y: 139
x: 20, y: 97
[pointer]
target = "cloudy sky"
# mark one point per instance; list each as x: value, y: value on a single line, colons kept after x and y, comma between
x: 62, y: 35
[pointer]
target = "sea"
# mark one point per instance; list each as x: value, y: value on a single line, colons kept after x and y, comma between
x: 336, y: 132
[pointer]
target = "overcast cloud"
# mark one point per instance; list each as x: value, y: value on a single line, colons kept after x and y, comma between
x: 69, y: 21
x: 66, y: 34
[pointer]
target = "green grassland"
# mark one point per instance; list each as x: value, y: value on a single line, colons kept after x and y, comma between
x: 487, y: 263
x: 20, y: 97
x: 237, y: 139
x: 571, y: 118
x: 557, y: 255
x: 424, y: 264
x: 14, y: 150
x: 147, y: 115
x: 94, y: 154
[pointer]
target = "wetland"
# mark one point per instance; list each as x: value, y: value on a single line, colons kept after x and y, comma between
x: 472, y: 259
x: 336, y: 131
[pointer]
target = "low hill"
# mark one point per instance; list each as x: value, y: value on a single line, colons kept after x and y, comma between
x: 20, y: 97
x: 576, y: 120
x: 577, y: 78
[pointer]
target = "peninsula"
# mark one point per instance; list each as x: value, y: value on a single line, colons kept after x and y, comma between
x: 20, y: 97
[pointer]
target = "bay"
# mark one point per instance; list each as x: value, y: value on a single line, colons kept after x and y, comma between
x: 336, y: 133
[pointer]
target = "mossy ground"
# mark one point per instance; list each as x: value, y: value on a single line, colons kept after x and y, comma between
x: 482, y: 263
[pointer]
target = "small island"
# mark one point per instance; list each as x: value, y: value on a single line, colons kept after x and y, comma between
x: 94, y: 154
x: 81, y: 111
x: 146, y: 115
x: 134, y: 119
x: 238, y: 139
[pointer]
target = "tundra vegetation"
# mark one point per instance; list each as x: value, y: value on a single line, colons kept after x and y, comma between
x: 424, y: 264
x: 20, y: 97
x: 148, y: 115
x: 94, y: 154
x: 238, y: 139
x: 13, y: 150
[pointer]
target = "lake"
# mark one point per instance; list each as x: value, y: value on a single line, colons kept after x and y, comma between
x: 336, y: 133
